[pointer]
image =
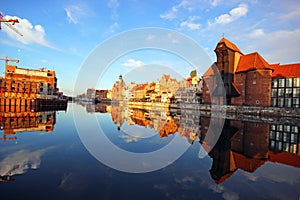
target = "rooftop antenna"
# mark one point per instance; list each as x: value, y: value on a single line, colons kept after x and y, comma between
x: 223, y: 35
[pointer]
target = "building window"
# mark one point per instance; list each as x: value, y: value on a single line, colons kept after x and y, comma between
x: 288, y: 92
x: 254, y: 82
x: 274, y: 102
x: 296, y: 102
x: 297, y: 82
x: 281, y: 82
x: 280, y: 102
x: 296, y: 92
x: 274, y: 83
x: 288, y: 102
x: 257, y: 101
x: 280, y: 92
x: 274, y: 92
x: 289, y: 82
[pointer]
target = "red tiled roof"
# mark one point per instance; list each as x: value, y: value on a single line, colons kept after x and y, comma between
x: 209, y: 72
x: 252, y: 61
x: 230, y: 45
x: 289, y: 70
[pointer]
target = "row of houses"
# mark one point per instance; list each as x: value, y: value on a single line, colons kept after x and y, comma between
x: 234, y: 79
x: 165, y: 90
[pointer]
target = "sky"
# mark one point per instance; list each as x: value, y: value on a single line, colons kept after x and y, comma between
x: 61, y: 34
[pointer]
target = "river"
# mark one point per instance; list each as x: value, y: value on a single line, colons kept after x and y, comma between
x: 119, y: 152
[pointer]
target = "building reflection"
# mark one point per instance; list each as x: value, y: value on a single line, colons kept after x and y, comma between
x: 244, y: 145
x: 26, y: 120
x: 248, y: 145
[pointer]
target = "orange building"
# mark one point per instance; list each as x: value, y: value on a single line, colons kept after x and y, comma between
x: 45, y: 80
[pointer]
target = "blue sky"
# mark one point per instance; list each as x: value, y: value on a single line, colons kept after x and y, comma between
x: 60, y: 34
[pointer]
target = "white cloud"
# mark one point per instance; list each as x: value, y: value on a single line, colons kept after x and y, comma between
x: 190, y: 23
x: 74, y: 13
x: 31, y: 34
x: 21, y: 161
x: 172, y: 13
x: 292, y: 13
x: 114, y: 5
x: 215, y: 2
x: 278, y: 46
x: 129, y: 138
x: 113, y: 27
x: 133, y: 63
x: 257, y: 33
x: 226, y: 194
x: 150, y: 37
x: 233, y: 15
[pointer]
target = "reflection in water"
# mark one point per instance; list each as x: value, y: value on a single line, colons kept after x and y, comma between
x: 19, y: 163
x: 242, y: 145
x: 26, y: 121
x: 23, y: 120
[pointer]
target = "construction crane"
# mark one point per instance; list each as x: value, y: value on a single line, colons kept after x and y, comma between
x: 10, y: 23
x: 6, y: 59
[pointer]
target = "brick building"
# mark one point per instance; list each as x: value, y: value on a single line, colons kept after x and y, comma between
x: 249, y: 80
x: 22, y: 86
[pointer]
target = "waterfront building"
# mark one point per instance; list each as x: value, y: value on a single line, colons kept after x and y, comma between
x: 249, y: 80
x: 140, y: 91
x: 118, y: 90
x: 168, y: 83
x: 28, y: 83
x: 91, y: 93
x: 190, y: 90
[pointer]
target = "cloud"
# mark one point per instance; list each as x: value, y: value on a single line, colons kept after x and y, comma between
x: 172, y: 13
x: 114, y: 5
x: 215, y: 2
x: 113, y: 27
x: 190, y: 24
x: 133, y: 63
x: 21, y: 161
x: 278, y: 46
x: 294, y: 13
x: 257, y: 33
x: 233, y: 15
x: 129, y: 138
x: 31, y: 34
x: 226, y: 194
x: 150, y: 37
x: 75, y: 13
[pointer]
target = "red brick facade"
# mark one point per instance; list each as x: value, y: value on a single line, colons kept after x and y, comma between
x: 246, y: 79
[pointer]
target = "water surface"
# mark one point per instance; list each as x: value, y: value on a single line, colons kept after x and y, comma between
x: 42, y: 156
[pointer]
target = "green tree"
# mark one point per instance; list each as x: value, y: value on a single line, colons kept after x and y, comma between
x: 193, y: 73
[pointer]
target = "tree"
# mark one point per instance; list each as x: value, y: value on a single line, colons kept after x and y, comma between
x: 193, y: 73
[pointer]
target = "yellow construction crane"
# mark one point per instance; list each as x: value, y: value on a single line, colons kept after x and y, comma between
x: 10, y: 23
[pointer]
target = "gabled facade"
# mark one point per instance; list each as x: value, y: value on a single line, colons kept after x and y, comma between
x: 238, y: 79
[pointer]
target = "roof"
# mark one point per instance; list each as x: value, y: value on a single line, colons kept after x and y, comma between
x: 252, y: 61
x: 289, y: 70
x: 209, y: 72
x: 139, y: 87
x: 230, y: 45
